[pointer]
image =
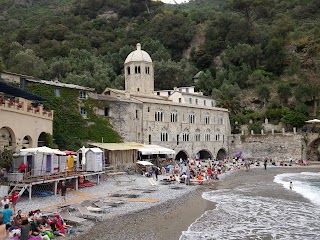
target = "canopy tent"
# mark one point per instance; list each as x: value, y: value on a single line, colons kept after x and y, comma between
x: 17, y: 92
x: 44, y: 150
x: 145, y: 163
x: 155, y: 149
x: 143, y: 148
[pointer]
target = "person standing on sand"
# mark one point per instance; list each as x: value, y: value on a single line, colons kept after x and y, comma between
x: 265, y: 164
x: 291, y: 185
x: 63, y: 191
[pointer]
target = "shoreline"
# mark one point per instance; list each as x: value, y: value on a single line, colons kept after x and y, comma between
x: 168, y: 219
x: 163, y: 221
x: 175, y: 211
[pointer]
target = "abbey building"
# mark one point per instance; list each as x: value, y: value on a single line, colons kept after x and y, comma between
x: 180, y: 118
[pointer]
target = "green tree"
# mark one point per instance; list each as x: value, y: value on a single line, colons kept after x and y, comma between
x: 284, y: 92
x: 294, y: 119
x: 263, y: 92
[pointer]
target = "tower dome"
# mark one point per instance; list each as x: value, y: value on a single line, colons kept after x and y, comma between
x: 138, y: 56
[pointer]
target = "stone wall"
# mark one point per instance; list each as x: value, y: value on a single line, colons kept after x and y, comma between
x: 277, y: 147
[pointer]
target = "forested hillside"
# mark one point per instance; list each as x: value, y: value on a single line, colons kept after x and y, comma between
x: 259, y: 58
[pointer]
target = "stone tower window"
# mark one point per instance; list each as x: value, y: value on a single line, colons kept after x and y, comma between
x: 128, y: 70
x: 147, y: 70
x: 137, y: 69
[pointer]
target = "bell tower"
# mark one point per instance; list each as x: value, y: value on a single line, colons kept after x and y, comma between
x: 139, y: 74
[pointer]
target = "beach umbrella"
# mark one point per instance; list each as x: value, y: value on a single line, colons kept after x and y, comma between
x: 145, y: 163
x: 313, y: 121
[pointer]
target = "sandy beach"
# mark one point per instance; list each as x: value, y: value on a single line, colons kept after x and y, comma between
x: 170, y: 215
x: 167, y: 220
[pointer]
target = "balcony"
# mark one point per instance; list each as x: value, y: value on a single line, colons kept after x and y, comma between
x: 23, y: 106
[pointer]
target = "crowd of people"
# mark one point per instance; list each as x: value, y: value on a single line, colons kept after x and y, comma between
x: 31, y: 226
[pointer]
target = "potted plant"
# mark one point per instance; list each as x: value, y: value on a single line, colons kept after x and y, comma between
x: 2, y: 101
x: 11, y: 102
x: 20, y: 104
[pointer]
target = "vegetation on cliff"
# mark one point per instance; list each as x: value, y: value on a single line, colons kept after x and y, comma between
x: 255, y: 56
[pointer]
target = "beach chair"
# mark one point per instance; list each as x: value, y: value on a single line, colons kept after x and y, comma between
x: 89, y: 215
x: 66, y: 216
x: 102, y: 205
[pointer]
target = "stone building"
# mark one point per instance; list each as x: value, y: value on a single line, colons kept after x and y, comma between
x: 180, y: 119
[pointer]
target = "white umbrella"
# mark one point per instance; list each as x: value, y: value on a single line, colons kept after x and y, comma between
x: 313, y: 121
x: 83, y: 150
x: 145, y: 163
x: 44, y: 150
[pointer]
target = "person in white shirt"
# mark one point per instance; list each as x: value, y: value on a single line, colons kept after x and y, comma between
x: 4, y: 201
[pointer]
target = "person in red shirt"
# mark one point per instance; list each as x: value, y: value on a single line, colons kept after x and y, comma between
x: 14, y: 199
x: 22, y: 167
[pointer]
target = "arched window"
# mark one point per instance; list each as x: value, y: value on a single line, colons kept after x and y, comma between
x: 186, y: 135
x: 206, y: 119
x: 197, y: 135
x: 207, y: 137
x: 164, y: 135
x: 158, y: 116
x: 147, y: 70
x: 192, y: 118
x: 137, y: 69
x: 174, y: 116
x: 128, y: 70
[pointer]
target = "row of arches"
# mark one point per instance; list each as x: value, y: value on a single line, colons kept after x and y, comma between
x: 9, y: 139
x: 203, y: 154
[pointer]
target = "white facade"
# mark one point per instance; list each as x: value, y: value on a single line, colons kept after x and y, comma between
x: 168, y: 117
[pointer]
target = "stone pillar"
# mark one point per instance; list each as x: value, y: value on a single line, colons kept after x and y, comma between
x: 242, y: 132
x: 283, y: 131
x: 266, y: 121
x: 252, y: 132
x: 294, y: 130
x: 30, y: 191
x: 272, y: 131
x: 262, y: 132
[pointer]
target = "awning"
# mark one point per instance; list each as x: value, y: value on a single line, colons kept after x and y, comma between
x: 155, y: 149
x: 118, y: 146
x: 17, y: 92
x: 143, y: 148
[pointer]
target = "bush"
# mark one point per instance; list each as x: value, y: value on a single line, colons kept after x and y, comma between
x: 256, y: 127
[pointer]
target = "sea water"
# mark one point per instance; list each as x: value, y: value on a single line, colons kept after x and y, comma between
x: 263, y: 211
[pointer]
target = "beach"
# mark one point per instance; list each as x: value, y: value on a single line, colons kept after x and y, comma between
x: 175, y: 209
x: 169, y: 219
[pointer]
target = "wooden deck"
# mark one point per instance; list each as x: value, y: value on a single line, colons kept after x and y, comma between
x: 28, y: 183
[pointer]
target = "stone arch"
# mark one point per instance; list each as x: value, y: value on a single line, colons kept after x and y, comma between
x: 42, y: 139
x: 27, y: 142
x: 204, y: 154
x: 313, y: 153
x: 7, y: 138
x: 182, y: 154
x: 221, y: 154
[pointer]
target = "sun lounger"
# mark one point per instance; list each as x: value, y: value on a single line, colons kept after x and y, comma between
x: 101, y: 205
x: 87, y: 214
x: 66, y: 216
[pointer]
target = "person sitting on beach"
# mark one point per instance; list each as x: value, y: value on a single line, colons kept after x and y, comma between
x: 36, y: 229
x: 37, y: 214
x: 25, y: 229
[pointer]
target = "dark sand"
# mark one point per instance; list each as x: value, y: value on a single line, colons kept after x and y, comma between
x: 167, y: 221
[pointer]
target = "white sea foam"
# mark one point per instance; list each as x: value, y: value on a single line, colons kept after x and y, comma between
x: 244, y: 214
x: 306, y: 183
